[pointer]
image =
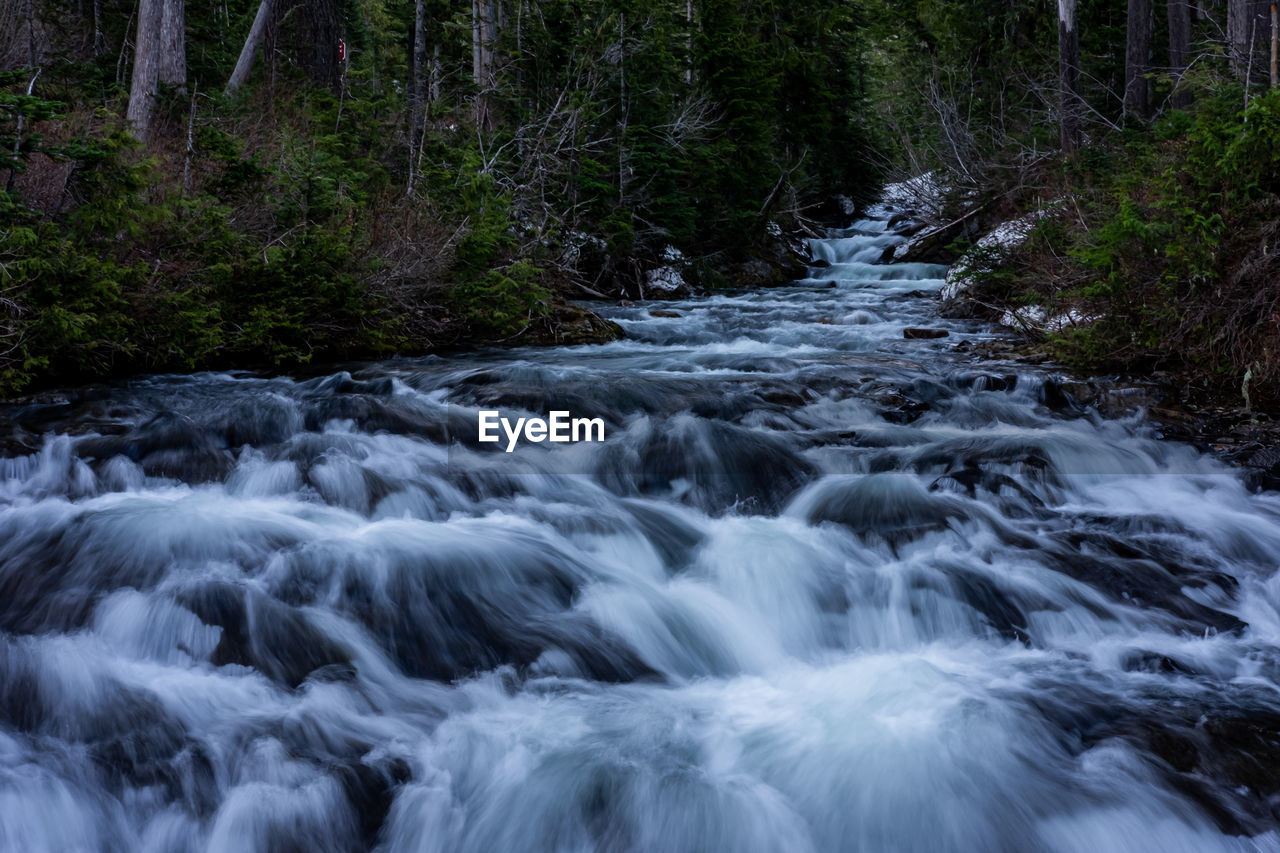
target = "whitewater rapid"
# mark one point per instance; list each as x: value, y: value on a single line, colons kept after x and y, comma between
x: 821, y: 588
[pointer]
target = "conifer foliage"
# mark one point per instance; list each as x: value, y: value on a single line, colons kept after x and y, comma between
x: 265, y: 182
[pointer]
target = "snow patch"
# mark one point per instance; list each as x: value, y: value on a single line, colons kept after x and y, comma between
x: 922, y: 194
x: 1007, y: 235
x: 576, y: 242
x: 668, y: 277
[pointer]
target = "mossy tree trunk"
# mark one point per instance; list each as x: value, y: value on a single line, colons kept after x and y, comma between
x: 172, y: 64
x: 1239, y: 24
x: 1137, y: 88
x: 486, y: 22
x: 1179, y: 12
x: 1070, y: 104
x: 146, y: 67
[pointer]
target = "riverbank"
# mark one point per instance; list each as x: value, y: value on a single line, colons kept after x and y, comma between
x: 1149, y: 257
x: 1214, y: 424
x: 344, y: 319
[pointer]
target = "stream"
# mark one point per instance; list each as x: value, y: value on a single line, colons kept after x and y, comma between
x: 822, y: 587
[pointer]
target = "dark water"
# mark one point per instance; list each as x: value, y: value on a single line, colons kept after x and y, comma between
x: 822, y: 588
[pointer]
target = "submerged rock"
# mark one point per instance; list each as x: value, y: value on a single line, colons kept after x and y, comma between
x: 924, y: 334
x: 710, y: 464
x: 571, y: 325
x: 890, y: 506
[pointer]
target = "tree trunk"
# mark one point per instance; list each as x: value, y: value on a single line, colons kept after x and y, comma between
x: 322, y: 30
x: 17, y: 139
x: 477, y: 42
x: 484, y: 35
x: 624, y: 111
x: 418, y: 77
x: 99, y: 40
x: 33, y: 58
x: 146, y: 67
x: 433, y: 79
x: 1179, y: 48
x: 251, y: 44
x: 1238, y: 13
x: 173, y: 45
x: 1275, y: 47
x: 1069, y: 103
x: 417, y: 89
x: 1137, y: 88
x: 688, y: 42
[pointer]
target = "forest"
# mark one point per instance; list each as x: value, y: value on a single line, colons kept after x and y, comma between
x: 266, y: 184
x: 269, y: 184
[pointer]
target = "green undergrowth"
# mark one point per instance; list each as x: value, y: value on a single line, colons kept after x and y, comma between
x: 1167, y: 239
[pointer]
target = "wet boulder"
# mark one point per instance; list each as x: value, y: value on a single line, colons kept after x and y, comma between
x: 893, y: 507
x: 714, y: 466
x: 1262, y: 469
x: 50, y: 694
x: 167, y: 445
x: 446, y: 601
x: 1221, y: 753
x: 370, y: 789
x: 1145, y: 577
x: 261, y: 420
x: 262, y: 633
x: 668, y: 530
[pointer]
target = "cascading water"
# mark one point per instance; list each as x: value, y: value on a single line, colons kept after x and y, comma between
x: 821, y: 588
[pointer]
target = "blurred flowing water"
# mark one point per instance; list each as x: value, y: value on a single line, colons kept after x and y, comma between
x: 822, y: 588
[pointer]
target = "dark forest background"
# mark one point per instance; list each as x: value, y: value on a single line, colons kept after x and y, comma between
x: 265, y: 183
